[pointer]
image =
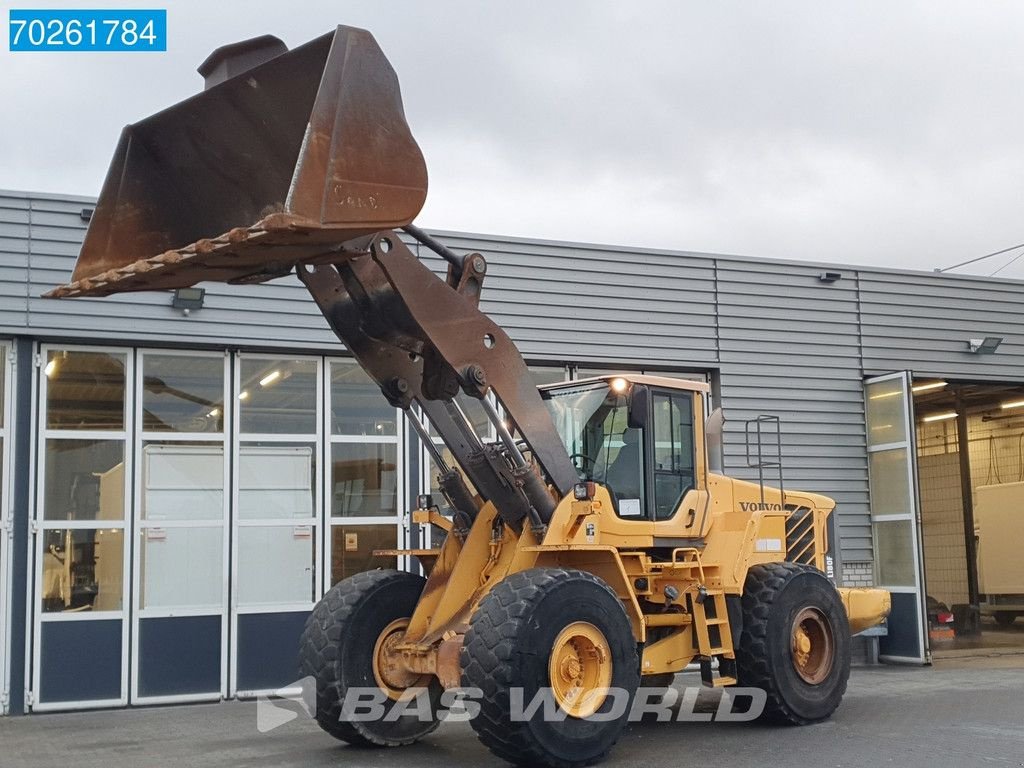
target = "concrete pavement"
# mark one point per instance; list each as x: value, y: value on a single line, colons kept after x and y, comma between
x: 950, y: 715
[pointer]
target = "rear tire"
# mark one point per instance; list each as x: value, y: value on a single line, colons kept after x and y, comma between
x: 795, y: 643
x: 338, y: 648
x: 513, y: 642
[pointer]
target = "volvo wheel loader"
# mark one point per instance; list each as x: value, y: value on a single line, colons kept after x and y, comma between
x: 591, y: 549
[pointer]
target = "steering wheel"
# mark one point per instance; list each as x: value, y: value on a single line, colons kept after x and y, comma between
x: 582, y: 470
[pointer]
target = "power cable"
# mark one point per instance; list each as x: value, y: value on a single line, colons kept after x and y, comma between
x: 1000, y: 269
x: 980, y: 258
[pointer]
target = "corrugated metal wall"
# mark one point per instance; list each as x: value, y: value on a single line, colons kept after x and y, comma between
x: 781, y: 341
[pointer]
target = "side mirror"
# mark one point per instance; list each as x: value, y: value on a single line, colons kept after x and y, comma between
x: 639, y: 407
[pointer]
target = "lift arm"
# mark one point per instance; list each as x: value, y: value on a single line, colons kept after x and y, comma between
x: 423, y: 340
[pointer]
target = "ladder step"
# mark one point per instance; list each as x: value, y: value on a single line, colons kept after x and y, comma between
x: 722, y: 682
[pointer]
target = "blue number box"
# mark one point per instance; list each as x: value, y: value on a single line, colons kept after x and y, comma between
x: 87, y: 30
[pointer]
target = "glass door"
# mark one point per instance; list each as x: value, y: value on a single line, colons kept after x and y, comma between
x: 365, y: 475
x: 277, y: 516
x: 179, y: 649
x: 80, y: 542
x: 895, y: 517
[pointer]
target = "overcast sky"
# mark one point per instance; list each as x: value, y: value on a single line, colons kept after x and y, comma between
x: 885, y: 133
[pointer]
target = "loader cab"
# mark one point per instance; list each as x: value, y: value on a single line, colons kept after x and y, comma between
x: 636, y: 435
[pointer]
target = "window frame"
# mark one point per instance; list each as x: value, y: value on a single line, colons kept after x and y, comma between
x: 682, y: 397
x: 139, y: 439
x: 42, y: 433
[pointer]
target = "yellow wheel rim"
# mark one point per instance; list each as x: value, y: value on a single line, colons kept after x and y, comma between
x: 812, y: 646
x: 580, y: 669
x: 390, y: 674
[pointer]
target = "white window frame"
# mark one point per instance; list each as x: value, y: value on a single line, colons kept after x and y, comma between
x: 40, y: 526
x: 400, y: 440
x: 316, y: 439
x: 139, y: 526
x: 912, y: 516
x: 6, y: 524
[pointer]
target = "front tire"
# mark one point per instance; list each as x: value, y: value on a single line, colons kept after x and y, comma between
x: 795, y: 643
x: 341, y: 648
x: 556, y: 632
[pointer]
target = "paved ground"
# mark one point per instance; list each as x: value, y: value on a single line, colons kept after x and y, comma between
x: 955, y: 714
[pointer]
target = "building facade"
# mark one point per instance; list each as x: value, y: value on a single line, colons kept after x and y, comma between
x: 181, y: 486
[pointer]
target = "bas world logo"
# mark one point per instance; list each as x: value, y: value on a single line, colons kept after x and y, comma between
x: 690, y: 704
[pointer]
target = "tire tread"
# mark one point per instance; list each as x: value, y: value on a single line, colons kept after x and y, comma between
x: 487, y: 663
x: 763, y: 585
x: 320, y: 647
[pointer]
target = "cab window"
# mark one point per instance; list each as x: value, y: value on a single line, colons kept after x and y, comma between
x: 673, y: 456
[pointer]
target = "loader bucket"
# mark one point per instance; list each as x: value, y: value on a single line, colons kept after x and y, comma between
x: 284, y: 156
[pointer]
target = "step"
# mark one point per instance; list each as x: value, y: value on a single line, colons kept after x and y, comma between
x: 723, y: 682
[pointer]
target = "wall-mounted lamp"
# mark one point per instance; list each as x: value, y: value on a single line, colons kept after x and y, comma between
x: 985, y: 346
x: 187, y: 299
x: 830, y: 277
x: 86, y: 214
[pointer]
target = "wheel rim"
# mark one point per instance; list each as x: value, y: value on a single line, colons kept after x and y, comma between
x: 391, y: 676
x: 813, y: 645
x: 580, y: 669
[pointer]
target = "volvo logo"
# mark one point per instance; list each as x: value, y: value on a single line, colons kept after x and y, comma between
x: 764, y: 506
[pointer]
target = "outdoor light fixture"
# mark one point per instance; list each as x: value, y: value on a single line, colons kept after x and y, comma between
x: 830, y: 277
x: 929, y: 386
x: 940, y: 416
x: 985, y: 346
x: 187, y: 299
x: 270, y: 378
x: 1012, y: 404
x: 619, y: 385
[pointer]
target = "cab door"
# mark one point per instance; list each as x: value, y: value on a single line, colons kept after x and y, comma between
x: 676, y: 463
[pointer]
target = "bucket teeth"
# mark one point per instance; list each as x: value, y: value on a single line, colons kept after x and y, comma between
x: 167, y: 257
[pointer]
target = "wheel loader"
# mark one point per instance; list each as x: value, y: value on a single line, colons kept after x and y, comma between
x: 589, y: 551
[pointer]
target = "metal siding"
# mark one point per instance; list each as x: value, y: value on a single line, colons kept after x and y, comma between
x: 924, y: 327
x: 790, y: 347
x: 575, y: 303
x: 783, y: 342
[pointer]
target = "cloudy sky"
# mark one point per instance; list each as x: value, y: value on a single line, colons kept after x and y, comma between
x: 886, y: 133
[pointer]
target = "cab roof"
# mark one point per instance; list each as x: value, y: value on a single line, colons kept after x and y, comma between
x: 637, y: 378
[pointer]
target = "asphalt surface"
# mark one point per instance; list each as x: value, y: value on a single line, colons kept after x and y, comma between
x: 954, y: 714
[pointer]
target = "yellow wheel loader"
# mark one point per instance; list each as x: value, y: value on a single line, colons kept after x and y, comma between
x: 592, y: 549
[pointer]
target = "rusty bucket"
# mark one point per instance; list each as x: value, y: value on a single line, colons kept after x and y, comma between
x: 284, y: 156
